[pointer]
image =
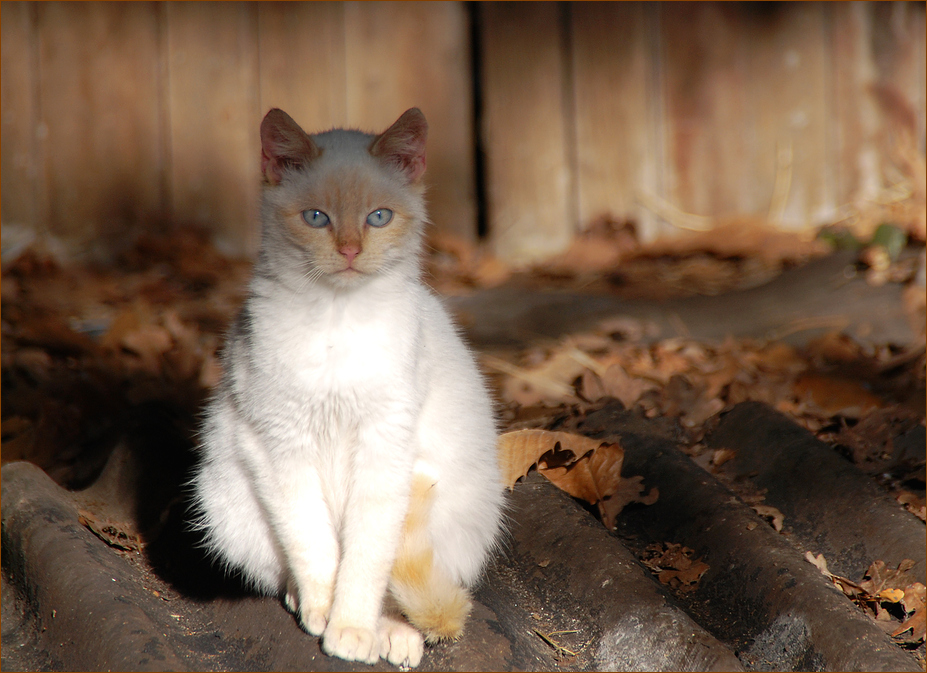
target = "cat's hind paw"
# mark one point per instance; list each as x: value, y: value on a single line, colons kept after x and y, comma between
x: 351, y: 643
x: 400, y: 643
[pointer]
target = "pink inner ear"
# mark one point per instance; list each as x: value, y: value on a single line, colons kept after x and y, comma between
x: 283, y: 145
x: 403, y: 144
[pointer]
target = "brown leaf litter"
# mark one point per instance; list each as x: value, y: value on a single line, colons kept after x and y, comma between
x: 888, y: 595
x: 585, y: 468
x: 116, y: 534
x: 674, y: 565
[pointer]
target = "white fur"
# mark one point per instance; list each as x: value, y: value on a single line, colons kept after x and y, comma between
x: 330, y: 396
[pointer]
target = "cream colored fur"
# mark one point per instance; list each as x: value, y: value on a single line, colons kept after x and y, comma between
x: 350, y: 446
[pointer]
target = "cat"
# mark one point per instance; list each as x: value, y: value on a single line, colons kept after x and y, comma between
x: 348, y: 455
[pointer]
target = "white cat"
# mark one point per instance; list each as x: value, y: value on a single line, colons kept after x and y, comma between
x: 350, y: 447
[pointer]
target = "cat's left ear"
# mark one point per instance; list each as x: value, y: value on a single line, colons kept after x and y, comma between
x: 403, y: 144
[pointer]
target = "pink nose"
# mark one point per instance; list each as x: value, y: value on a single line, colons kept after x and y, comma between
x: 349, y: 251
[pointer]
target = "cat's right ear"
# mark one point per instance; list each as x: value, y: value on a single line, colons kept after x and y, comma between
x: 283, y: 145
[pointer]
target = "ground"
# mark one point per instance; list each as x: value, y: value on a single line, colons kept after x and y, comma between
x: 748, y: 491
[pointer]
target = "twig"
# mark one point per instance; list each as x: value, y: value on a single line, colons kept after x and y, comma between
x: 558, y: 648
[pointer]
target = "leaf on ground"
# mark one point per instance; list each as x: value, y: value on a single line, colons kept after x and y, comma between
x: 883, y: 585
x: 548, y: 382
x: 835, y: 347
x: 593, y: 477
x: 585, y: 468
x: 618, y: 384
x: 674, y: 565
x: 850, y: 588
x: 916, y: 615
x: 520, y: 450
x: 879, y: 577
x: 914, y: 504
x: 720, y: 456
x: 630, y: 489
x: 836, y: 396
x: 118, y: 535
x: 891, y: 595
x: 818, y: 562
x: 775, y: 517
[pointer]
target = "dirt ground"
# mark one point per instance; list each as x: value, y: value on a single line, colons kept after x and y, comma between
x: 669, y: 363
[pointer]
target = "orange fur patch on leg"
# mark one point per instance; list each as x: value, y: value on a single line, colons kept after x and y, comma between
x: 431, y: 601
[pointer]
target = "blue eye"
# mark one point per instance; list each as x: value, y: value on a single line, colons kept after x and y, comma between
x: 315, y: 218
x: 380, y: 217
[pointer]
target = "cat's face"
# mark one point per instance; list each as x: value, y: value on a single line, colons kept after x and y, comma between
x: 350, y: 204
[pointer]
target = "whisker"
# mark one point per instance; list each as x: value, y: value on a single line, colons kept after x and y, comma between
x: 313, y: 274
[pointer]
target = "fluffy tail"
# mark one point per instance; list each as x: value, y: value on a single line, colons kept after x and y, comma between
x: 431, y: 601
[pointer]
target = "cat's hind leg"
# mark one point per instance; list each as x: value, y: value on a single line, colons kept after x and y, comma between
x: 271, y: 524
x: 235, y: 530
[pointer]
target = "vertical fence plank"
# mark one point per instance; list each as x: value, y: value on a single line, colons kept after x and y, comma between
x: 854, y: 110
x: 114, y: 112
x: 897, y: 49
x: 214, y: 118
x: 788, y: 114
x: 21, y: 168
x: 98, y: 101
x: 898, y: 55
x: 405, y: 54
x: 302, y: 68
x: 707, y: 151
x: 615, y: 121
x: 878, y: 79
x: 525, y: 139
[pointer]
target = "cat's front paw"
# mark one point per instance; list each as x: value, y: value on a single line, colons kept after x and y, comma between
x: 400, y: 643
x: 351, y: 643
x: 312, y: 618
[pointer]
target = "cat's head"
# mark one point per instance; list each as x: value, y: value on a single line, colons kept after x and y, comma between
x: 345, y: 206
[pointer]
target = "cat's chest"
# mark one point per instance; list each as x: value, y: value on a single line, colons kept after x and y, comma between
x: 341, y: 346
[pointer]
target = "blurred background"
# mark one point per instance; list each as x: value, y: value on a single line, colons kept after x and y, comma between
x: 674, y: 208
x: 547, y: 119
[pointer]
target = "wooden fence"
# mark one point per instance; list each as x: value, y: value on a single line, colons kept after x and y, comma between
x: 120, y: 116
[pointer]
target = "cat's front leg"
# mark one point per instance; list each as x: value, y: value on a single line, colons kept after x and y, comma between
x: 371, y: 534
x: 312, y: 553
x: 292, y: 501
x: 401, y: 644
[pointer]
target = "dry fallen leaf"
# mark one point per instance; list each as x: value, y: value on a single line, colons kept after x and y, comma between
x: 630, y: 489
x: 720, y: 456
x: 548, y: 382
x: 891, y: 595
x: 914, y: 504
x: 118, y: 535
x: 774, y: 515
x: 618, y: 384
x: 593, y: 477
x: 585, y: 468
x: 879, y: 577
x: 521, y: 449
x: 674, y: 565
x: 883, y: 585
x: 835, y: 395
x: 916, y: 613
x: 818, y: 562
